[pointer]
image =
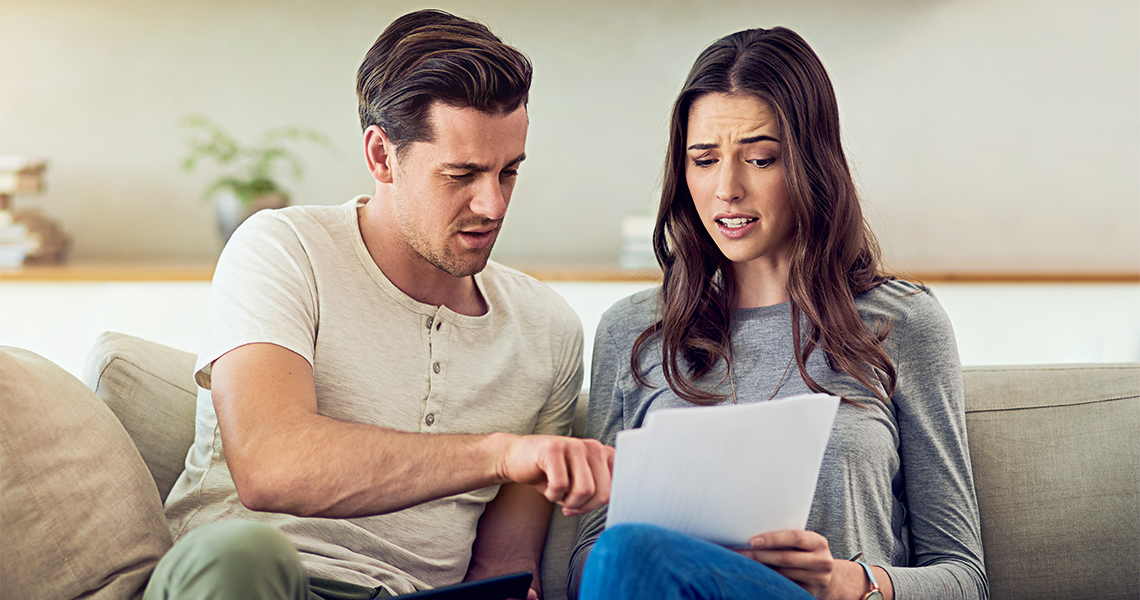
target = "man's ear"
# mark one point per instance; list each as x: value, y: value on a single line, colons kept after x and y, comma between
x: 380, y: 154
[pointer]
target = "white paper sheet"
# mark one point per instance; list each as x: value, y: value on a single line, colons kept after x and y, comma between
x: 723, y: 473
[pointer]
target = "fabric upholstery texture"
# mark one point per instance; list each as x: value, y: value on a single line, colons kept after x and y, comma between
x: 79, y: 512
x: 1056, y: 457
x: 1054, y: 449
x: 150, y: 388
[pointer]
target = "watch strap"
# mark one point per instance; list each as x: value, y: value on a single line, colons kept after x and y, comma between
x: 874, y: 592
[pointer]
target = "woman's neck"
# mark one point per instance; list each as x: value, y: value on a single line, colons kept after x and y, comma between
x: 761, y: 283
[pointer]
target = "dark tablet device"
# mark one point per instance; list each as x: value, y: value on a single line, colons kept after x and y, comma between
x: 495, y: 588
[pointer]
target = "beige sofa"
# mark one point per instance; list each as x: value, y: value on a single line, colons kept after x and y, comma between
x: 1056, y: 454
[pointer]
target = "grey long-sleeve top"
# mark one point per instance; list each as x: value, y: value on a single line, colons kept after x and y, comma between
x: 895, y: 483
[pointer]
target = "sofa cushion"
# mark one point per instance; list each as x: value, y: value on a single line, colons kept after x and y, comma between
x: 1055, y: 451
x: 150, y: 388
x: 79, y: 513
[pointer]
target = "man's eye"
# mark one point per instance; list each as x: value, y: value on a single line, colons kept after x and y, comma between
x: 508, y: 173
x: 460, y: 176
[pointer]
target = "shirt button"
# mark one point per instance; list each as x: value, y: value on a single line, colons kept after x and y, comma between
x: 429, y: 322
x: 430, y: 419
x: 435, y: 367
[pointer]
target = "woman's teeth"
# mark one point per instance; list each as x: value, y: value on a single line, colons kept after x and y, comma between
x: 735, y: 223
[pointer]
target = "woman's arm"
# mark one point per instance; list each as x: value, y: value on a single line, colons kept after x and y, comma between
x: 604, y: 420
x: 935, y: 460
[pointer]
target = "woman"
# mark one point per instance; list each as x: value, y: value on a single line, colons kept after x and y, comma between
x: 772, y: 288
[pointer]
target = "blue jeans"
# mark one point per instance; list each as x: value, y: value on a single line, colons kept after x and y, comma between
x: 643, y: 561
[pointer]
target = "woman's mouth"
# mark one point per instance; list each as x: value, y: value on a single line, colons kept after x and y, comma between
x: 736, y: 227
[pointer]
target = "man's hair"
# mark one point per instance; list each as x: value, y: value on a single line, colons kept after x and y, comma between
x: 432, y: 56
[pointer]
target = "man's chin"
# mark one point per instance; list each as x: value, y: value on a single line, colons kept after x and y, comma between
x: 469, y: 265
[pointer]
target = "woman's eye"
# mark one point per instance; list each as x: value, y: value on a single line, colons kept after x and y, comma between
x: 703, y: 162
x: 762, y: 162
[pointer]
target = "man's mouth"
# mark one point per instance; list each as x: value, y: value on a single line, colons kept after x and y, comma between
x: 478, y: 238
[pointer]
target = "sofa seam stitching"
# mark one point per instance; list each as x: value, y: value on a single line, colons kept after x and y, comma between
x: 1016, y: 368
x: 1035, y: 406
x: 135, y: 365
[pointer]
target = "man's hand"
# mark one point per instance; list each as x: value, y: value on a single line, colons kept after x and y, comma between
x: 573, y: 473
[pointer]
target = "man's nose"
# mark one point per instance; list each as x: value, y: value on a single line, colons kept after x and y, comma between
x: 490, y: 201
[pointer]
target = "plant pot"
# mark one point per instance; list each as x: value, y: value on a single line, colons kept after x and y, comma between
x: 231, y: 211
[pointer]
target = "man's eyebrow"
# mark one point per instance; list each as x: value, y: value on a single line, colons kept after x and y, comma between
x: 742, y: 142
x: 478, y: 168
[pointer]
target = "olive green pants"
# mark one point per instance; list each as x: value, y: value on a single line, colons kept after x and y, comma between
x: 243, y: 560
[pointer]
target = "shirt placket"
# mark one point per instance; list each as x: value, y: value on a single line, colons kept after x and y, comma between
x: 438, y: 352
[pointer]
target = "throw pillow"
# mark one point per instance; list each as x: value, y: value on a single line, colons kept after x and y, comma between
x: 79, y: 512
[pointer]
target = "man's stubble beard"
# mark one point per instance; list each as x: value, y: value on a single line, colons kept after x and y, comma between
x: 442, y: 257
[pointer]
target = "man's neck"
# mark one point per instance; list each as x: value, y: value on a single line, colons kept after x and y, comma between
x: 410, y: 272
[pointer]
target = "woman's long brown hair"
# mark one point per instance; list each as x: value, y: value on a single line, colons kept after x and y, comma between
x: 835, y: 256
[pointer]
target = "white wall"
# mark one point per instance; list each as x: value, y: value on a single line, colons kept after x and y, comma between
x: 994, y: 324
x: 986, y: 134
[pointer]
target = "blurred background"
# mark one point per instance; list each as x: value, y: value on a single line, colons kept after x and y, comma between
x: 993, y: 141
x: 986, y: 135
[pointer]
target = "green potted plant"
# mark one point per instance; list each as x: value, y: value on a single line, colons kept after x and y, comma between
x: 249, y: 178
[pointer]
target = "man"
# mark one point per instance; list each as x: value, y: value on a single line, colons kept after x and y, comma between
x: 340, y: 339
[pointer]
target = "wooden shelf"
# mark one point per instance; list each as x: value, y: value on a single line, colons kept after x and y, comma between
x: 111, y: 271
x: 189, y: 271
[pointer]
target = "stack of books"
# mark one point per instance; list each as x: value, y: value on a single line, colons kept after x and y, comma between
x: 16, y: 242
x: 21, y: 235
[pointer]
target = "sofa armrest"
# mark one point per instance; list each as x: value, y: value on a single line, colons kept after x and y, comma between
x: 1055, y: 450
x: 150, y: 388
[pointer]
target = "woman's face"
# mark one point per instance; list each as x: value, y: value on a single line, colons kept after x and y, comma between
x: 735, y: 174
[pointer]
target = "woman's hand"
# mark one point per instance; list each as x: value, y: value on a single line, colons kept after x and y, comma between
x: 805, y: 558
x: 802, y: 556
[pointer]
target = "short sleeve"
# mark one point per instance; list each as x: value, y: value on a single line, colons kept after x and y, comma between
x: 557, y: 414
x: 263, y: 291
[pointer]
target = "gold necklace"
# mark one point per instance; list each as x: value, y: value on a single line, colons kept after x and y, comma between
x: 779, y: 383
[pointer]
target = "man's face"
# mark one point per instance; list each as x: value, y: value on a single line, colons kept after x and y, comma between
x: 451, y: 194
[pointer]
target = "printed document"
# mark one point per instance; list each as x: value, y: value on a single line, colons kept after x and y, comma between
x: 723, y: 473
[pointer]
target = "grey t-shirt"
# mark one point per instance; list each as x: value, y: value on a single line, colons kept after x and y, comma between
x: 301, y: 278
x: 895, y: 483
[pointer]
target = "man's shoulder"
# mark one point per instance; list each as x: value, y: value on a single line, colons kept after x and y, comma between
x: 518, y: 286
x: 302, y: 220
x: 309, y: 215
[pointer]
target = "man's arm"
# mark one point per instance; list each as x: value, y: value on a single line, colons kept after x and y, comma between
x: 285, y: 457
x: 511, y: 535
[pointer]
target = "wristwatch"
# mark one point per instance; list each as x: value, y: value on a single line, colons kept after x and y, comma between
x: 875, y: 593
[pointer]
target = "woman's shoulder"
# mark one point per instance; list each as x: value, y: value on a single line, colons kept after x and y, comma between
x: 911, y: 310
x: 897, y: 299
x: 631, y: 315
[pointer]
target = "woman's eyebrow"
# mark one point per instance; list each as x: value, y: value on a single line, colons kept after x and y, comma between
x: 742, y: 142
x: 758, y: 138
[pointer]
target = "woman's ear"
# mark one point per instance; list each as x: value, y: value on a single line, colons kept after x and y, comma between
x: 380, y: 154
